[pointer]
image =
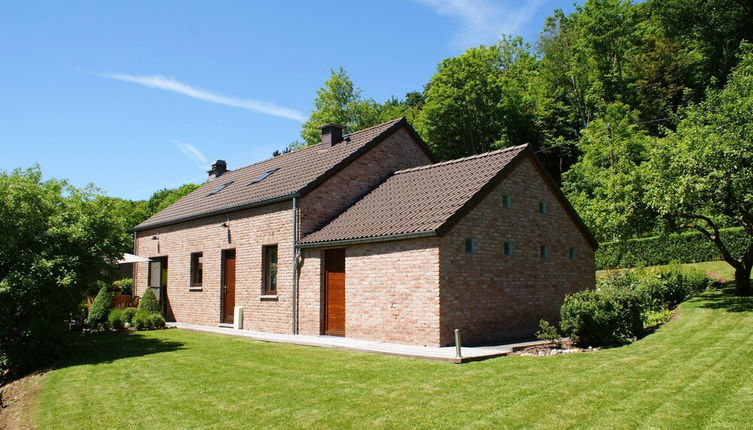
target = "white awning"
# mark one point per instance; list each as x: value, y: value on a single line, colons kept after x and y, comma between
x: 130, y: 258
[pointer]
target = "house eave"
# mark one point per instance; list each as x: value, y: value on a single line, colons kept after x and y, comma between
x: 142, y: 227
x: 374, y: 239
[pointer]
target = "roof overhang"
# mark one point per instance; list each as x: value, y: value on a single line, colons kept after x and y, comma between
x: 343, y: 242
x: 142, y: 227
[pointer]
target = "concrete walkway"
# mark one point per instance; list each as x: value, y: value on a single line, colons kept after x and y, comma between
x: 414, y: 351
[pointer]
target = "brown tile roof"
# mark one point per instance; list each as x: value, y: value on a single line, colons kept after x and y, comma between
x: 298, y: 172
x: 418, y: 201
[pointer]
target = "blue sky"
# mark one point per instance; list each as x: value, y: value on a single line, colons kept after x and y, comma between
x: 141, y: 95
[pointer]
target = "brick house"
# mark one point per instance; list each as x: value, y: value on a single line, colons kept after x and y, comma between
x: 366, y: 236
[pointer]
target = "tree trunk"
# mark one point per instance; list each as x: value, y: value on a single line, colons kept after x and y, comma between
x: 742, y: 282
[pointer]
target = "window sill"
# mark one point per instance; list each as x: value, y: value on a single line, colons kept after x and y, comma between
x: 195, y: 288
x: 268, y: 297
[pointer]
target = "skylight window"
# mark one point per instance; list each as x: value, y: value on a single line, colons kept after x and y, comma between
x: 220, y: 188
x: 264, y: 175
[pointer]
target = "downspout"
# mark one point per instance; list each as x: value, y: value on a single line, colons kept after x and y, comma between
x: 135, y: 268
x: 294, y: 322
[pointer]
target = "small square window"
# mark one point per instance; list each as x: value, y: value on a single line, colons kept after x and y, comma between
x: 508, y: 249
x: 470, y: 246
x: 544, y: 251
x: 506, y: 201
x: 572, y: 254
x: 197, y: 269
x: 542, y: 206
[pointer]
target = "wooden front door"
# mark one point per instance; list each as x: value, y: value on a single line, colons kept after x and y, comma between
x: 334, y: 292
x: 228, y: 287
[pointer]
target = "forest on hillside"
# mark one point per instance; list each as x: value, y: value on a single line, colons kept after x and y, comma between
x: 599, y: 90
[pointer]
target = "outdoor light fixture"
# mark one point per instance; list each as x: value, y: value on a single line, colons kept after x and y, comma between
x: 155, y: 238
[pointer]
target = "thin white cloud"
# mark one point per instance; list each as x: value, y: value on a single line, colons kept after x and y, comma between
x: 190, y: 151
x: 170, y: 84
x: 483, y: 21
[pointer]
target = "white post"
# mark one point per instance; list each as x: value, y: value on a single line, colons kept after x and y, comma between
x: 458, y: 348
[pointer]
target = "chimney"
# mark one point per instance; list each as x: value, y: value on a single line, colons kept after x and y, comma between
x: 218, y: 168
x: 332, y: 134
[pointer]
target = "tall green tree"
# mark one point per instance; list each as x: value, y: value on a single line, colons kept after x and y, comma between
x: 605, y: 185
x: 338, y: 101
x: 478, y: 101
x: 711, y: 30
x: 57, y: 242
x: 701, y: 176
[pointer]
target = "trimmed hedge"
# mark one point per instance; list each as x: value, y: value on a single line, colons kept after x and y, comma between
x: 149, y: 302
x: 100, y: 310
x: 690, y: 247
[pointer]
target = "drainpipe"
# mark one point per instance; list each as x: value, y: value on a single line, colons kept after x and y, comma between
x: 295, y: 268
x: 135, y: 267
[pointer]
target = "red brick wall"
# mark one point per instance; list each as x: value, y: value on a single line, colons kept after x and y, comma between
x: 391, y: 292
x: 398, y: 151
x: 249, y: 231
x: 492, y: 297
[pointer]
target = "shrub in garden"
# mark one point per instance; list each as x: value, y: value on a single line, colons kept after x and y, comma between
x: 125, y: 286
x: 149, y: 302
x: 626, y: 304
x: 157, y: 321
x: 128, y: 314
x: 115, y: 319
x: 548, y: 332
x: 100, y: 309
x: 144, y: 320
x: 608, y: 316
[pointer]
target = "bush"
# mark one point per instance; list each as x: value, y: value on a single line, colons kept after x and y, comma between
x: 149, y: 302
x: 115, y: 319
x: 157, y: 321
x: 144, y: 320
x: 657, y: 250
x: 125, y: 286
x: 626, y: 304
x: 100, y: 310
x: 608, y: 316
x: 128, y: 314
x: 652, y: 319
x: 548, y: 333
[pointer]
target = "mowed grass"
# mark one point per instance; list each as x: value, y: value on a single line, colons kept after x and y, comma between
x: 693, y: 372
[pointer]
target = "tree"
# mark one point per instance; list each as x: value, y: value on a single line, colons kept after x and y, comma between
x: 478, y: 101
x: 605, y: 185
x: 701, y: 176
x: 338, y: 101
x: 711, y: 30
x: 57, y: 242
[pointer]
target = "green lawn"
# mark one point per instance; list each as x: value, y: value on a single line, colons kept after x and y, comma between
x: 693, y: 372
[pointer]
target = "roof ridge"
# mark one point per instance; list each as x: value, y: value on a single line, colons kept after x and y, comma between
x: 463, y: 159
x: 392, y: 121
x: 316, y: 145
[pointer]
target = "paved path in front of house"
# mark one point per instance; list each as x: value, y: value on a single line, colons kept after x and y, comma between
x: 473, y: 353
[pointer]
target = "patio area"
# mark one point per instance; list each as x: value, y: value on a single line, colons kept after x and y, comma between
x: 468, y: 353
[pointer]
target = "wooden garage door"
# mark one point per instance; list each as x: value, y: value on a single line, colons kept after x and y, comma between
x: 334, y: 292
